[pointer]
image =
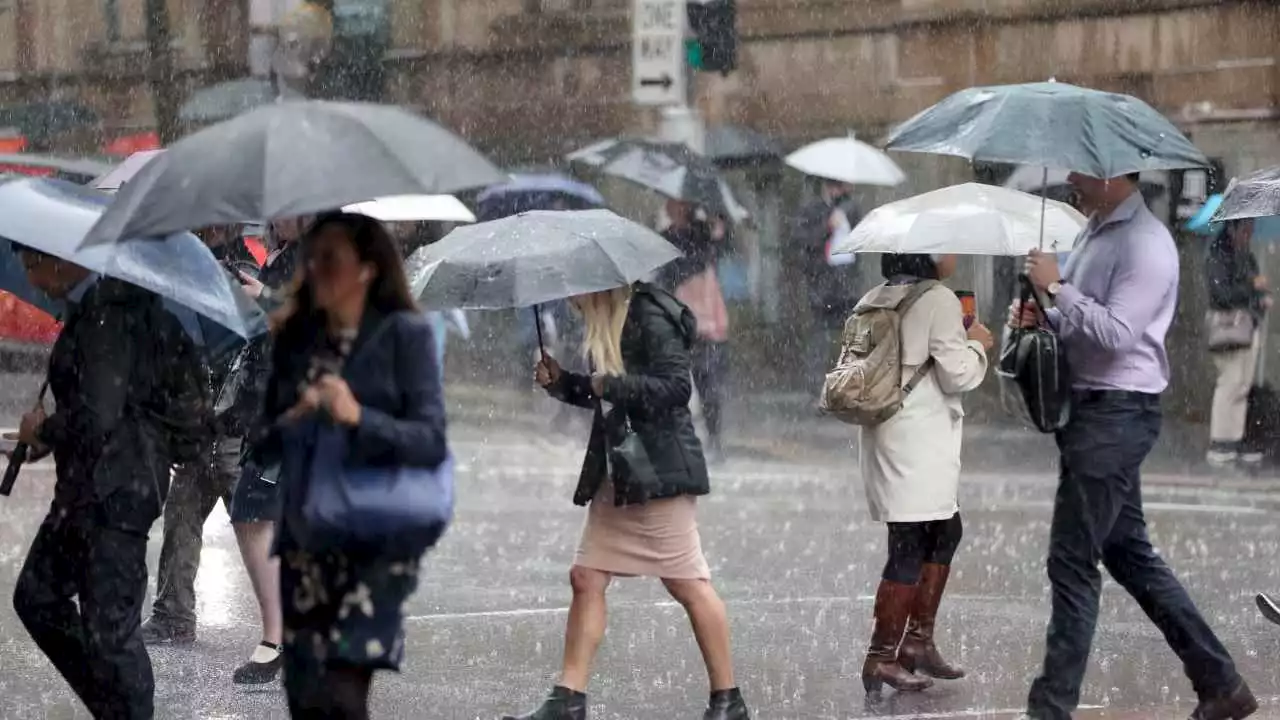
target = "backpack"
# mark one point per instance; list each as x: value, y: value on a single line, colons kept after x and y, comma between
x: 179, y: 397
x: 865, y: 388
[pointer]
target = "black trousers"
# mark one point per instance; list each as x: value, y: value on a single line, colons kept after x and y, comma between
x: 1097, y: 517
x: 710, y: 362
x: 912, y: 544
x: 97, y: 646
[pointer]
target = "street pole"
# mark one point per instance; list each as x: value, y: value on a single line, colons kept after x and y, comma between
x: 160, y: 73
x: 683, y: 123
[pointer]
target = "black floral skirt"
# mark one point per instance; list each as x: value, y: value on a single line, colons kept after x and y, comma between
x: 345, y: 610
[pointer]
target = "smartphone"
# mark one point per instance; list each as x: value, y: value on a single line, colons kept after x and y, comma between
x: 968, y: 307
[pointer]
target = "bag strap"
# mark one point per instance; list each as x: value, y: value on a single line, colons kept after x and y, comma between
x: 916, y: 292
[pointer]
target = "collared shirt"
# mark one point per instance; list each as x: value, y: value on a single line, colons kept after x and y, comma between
x: 1119, y: 291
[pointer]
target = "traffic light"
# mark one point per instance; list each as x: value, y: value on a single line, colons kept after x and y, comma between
x: 714, y: 45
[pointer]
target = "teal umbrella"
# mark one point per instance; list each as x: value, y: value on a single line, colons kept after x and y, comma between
x: 1051, y: 125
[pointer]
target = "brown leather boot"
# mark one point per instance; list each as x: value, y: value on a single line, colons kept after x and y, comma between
x: 918, y: 652
x: 894, y: 602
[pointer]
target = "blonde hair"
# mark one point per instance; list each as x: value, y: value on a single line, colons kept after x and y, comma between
x: 603, y: 315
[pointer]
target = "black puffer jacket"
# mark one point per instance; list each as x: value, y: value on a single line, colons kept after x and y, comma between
x: 654, y: 394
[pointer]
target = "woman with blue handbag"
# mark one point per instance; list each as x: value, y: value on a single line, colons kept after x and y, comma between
x: 643, y: 471
x: 355, y: 417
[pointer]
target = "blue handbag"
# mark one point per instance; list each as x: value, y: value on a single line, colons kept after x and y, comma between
x: 392, y: 509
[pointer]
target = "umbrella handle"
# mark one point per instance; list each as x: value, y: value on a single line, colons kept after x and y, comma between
x: 537, y: 321
x: 19, y: 455
x: 1044, y: 202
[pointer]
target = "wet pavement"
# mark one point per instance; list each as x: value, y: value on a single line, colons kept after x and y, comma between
x: 796, y: 559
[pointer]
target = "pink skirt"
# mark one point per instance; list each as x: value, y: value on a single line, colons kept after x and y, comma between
x: 657, y: 539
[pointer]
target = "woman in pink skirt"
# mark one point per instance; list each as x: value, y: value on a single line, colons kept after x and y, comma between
x: 642, y: 521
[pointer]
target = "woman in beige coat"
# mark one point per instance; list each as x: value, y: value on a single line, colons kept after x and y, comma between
x: 911, y: 467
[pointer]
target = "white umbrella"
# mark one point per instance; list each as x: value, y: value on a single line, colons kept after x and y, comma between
x: 124, y: 172
x: 847, y: 160
x: 411, y: 208
x: 968, y: 219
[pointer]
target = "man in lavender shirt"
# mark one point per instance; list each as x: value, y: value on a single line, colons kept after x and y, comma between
x: 1112, y: 307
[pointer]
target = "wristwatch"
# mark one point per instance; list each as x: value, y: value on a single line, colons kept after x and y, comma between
x: 1053, y: 289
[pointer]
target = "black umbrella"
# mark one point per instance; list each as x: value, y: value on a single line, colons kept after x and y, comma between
x: 671, y: 169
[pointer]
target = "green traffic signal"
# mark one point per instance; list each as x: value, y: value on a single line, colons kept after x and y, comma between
x: 693, y: 53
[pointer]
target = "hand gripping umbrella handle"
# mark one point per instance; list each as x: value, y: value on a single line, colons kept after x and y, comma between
x: 19, y: 455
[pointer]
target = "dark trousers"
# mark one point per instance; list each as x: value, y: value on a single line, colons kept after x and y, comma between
x: 710, y: 366
x: 196, y: 488
x: 1097, y: 517
x: 95, y: 643
x: 912, y: 544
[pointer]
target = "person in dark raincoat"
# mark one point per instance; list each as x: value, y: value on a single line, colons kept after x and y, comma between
x: 343, y: 608
x: 130, y: 402
x: 638, y: 343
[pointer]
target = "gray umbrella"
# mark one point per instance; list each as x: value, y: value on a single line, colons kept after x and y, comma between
x: 1051, y: 125
x: 535, y: 257
x: 229, y: 99
x: 288, y: 159
x: 1255, y: 196
x: 672, y: 169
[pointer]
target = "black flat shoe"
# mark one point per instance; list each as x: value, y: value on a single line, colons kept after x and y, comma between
x: 260, y: 673
x: 561, y: 704
x: 727, y: 705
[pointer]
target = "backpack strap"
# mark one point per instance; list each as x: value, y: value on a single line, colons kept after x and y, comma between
x: 916, y: 292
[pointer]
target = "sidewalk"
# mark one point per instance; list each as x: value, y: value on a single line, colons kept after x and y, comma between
x: 786, y: 426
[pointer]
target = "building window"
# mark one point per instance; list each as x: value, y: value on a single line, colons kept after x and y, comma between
x: 111, y: 14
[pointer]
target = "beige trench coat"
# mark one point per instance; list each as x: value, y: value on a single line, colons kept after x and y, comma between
x: 911, y: 462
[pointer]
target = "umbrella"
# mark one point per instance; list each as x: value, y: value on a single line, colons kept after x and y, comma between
x: 526, y: 192
x: 1051, y: 125
x: 288, y: 159
x: 229, y: 99
x: 734, y: 146
x: 1255, y: 196
x: 413, y: 208
x: 535, y: 257
x: 847, y: 160
x: 671, y: 169
x: 968, y: 219
x: 52, y: 216
x: 115, y: 178
x: 1202, y: 222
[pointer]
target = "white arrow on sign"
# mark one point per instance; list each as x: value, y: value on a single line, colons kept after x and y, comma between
x: 657, y: 52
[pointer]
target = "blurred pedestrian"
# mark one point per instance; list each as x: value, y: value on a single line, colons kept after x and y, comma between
x: 1238, y: 303
x: 132, y: 400
x: 911, y: 468
x: 830, y: 281
x: 694, y: 280
x: 343, y: 608
x: 1113, y: 306
x: 645, y: 523
x: 248, y: 492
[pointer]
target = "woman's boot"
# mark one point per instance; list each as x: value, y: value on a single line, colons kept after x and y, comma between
x: 727, y: 705
x: 894, y: 602
x: 561, y: 704
x: 918, y: 652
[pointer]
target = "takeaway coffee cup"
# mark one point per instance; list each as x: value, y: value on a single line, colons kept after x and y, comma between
x: 968, y: 307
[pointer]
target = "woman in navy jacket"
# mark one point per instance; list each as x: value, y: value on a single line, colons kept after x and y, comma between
x: 351, y: 349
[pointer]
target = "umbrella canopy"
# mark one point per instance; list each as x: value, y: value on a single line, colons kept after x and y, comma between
x: 52, y: 216
x: 671, y: 169
x: 544, y: 191
x: 124, y: 172
x: 535, y: 257
x: 1053, y: 125
x: 968, y: 219
x: 288, y: 159
x: 1255, y: 196
x: 229, y: 99
x: 733, y: 146
x: 414, y: 208
x: 847, y: 160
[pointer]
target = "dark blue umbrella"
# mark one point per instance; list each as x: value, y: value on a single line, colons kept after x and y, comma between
x: 525, y: 192
x: 52, y: 217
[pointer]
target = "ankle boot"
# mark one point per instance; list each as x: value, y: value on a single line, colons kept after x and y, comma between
x: 561, y: 704
x: 726, y: 705
x: 894, y: 602
x: 918, y: 652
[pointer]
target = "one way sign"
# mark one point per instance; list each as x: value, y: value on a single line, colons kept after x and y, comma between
x: 657, y: 52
